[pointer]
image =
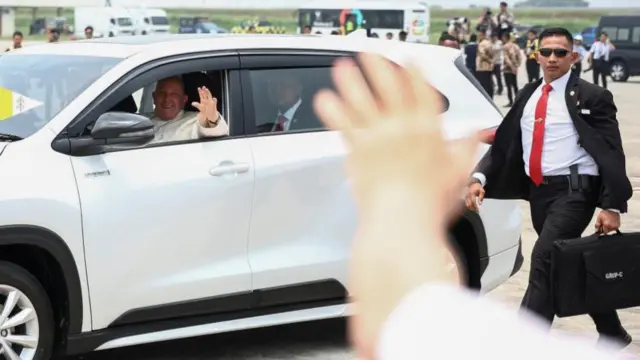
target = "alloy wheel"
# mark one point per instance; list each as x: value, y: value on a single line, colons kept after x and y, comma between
x: 617, y: 71
x: 19, y: 327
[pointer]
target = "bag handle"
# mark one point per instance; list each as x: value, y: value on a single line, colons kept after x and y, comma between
x: 618, y: 232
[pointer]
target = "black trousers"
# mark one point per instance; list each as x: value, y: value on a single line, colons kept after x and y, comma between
x: 533, y: 70
x: 497, y: 73
x: 600, y: 69
x: 511, y: 82
x: 558, y: 213
x: 577, y: 68
x: 485, y: 79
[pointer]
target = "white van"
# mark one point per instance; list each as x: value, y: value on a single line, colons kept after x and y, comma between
x: 105, y: 21
x: 150, y: 21
x: 379, y: 17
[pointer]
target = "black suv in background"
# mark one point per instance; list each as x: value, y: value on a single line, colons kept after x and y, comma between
x: 624, y: 33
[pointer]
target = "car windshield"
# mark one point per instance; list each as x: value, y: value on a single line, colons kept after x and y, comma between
x: 35, y: 88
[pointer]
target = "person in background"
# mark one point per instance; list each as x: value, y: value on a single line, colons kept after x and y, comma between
x: 448, y: 40
x: 470, y: 51
x: 88, y: 32
x: 17, y: 41
x: 504, y: 20
x: 406, y: 303
x: 484, y: 63
x: 512, y: 62
x: 54, y: 36
x: 531, y: 50
x: 582, y: 53
x: 486, y: 22
x: 599, y: 53
x: 389, y: 36
x: 402, y: 36
x: 498, y: 60
x: 306, y: 29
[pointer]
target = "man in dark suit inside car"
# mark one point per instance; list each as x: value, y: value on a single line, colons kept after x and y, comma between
x: 291, y: 111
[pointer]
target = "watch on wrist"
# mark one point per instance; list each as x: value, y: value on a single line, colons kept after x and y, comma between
x: 215, y: 122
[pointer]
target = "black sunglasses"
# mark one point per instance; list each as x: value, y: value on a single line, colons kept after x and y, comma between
x: 558, y: 52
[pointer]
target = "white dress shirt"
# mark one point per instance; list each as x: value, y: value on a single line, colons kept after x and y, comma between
x: 600, y: 50
x: 447, y: 322
x: 498, y: 53
x: 582, y: 52
x: 289, y: 114
x: 560, y: 148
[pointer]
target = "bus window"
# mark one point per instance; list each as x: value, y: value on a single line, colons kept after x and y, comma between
x: 384, y: 19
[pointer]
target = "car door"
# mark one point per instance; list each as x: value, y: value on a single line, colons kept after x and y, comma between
x: 303, y: 216
x: 166, y: 226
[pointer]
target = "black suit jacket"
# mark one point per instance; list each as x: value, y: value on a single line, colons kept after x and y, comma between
x: 303, y: 119
x: 598, y: 134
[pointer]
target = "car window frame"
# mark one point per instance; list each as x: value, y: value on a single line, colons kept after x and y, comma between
x: 272, y: 60
x: 144, y: 74
x: 268, y: 59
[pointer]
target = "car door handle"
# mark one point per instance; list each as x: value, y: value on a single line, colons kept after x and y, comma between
x: 229, y: 167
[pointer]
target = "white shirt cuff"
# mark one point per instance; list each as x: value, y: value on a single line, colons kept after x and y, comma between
x: 481, y: 178
x: 614, y: 210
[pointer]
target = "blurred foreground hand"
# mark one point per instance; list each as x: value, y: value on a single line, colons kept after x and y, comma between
x: 407, y: 181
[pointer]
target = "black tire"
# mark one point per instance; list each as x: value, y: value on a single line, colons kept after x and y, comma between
x: 19, y: 278
x: 111, y: 34
x: 619, y: 71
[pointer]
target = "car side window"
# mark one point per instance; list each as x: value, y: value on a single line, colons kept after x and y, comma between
x: 283, y: 98
x: 612, y: 32
x: 623, y: 34
x: 635, y: 36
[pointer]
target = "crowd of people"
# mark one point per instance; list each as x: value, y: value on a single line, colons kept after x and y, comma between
x: 53, y: 37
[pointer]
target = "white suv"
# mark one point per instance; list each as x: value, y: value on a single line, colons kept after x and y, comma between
x: 107, y: 241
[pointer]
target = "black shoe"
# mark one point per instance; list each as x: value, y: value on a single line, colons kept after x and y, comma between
x: 618, y: 342
x: 508, y: 105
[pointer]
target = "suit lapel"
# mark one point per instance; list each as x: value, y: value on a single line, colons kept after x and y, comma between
x: 572, y: 98
x: 510, y: 126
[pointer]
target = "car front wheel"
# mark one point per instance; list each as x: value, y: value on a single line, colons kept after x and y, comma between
x: 26, y: 317
x: 618, y: 71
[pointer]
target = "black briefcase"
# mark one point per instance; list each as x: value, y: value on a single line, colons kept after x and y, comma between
x: 596, y: 273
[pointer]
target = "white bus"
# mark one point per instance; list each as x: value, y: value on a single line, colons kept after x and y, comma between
x: 378, y: 17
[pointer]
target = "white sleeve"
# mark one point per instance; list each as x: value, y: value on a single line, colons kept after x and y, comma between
x: 441, y: 319
x: 481, y: 177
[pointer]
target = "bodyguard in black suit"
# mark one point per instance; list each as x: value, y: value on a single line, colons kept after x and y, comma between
x: 559, y: 147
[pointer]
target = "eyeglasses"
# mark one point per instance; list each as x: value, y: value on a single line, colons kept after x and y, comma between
x: 558, y: 52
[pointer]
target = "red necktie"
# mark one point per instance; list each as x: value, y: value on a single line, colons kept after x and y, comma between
x: 280, y: 124
x: 535, y: 158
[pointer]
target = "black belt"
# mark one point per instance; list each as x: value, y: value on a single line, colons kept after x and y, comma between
x: 575, y: 181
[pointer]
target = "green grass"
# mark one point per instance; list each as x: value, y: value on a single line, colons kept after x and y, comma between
x: 573, y: 19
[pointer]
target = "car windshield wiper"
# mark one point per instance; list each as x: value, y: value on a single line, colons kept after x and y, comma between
x: 10, y: 137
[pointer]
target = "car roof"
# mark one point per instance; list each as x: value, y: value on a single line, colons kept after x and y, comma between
x: 178, y: 44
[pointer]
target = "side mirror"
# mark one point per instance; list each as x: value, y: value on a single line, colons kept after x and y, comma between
x: 112, y: 130
x: 123, y: 125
